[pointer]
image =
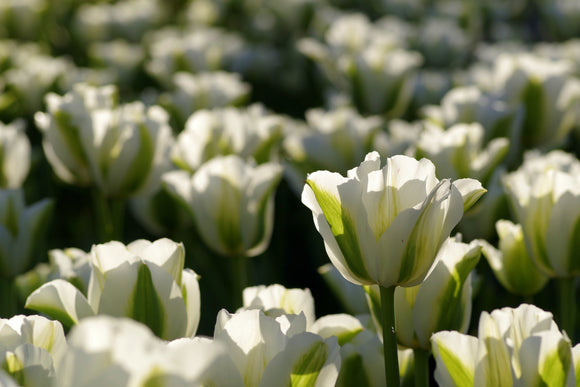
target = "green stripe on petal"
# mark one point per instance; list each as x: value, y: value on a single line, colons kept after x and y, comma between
x: 137, y: 173
x: 343, y: 228
x: 306, y: 369
x: 146, y: 307
x: 352, y: 372
x: 461, y: 374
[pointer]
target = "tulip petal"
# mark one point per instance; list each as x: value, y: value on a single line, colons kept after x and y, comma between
x: 471, y: 190
x: 60, y: 300
x: 340, y: 220
x: 454, y: 354
x: 191, y: 296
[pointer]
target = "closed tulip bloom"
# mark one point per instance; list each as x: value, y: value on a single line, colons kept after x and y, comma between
x: 232, y: 202
x: 90, y: 141
x: 511, y: 263
x: 144, y: 280
x: 545, y: 193
x: 385, y: 225
x: 418, y: 310
x: 14, y: 154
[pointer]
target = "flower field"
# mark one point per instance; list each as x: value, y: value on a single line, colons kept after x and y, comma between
x: 263, y: 193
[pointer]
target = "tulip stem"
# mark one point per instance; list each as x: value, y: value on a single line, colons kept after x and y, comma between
x: 9, y: 303
x: 109, y: 215
x: 240, y: 279
x: 568, y: 306
x: 421, y: 358
x: 390, y: 336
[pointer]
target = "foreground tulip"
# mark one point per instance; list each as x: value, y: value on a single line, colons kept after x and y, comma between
x: 277, y: 351
x: 384, y: 226
x: 31, y: 349
x: 143, y: 280
x: 521, y: 347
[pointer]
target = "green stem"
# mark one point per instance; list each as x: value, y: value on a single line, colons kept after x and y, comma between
x: 109, y: 214
x: 567, y: 306
x: 9, y: 303
x: 239, y: 279
x: 389, y: 336
x: 421, y: 358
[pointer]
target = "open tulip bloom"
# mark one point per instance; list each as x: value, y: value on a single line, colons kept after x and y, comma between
x: 385, y: 225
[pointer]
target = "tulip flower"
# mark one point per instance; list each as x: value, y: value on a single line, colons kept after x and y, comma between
x: 459, y: 152
x: 31, y: 349
x: 367, y: 62
x: 232, y: 203
x: 332, y: 140
x: 14, y: 154
x: 511, y: 263
x: 520, y: 346
x: 88, y: 140
x: 276, y: 299
x: 106, y: 350
x: 251, y: 132
x: 418, y: 312
x: 546, y: 88
x: 278, y: 352
x: 144, y: 280
x: 545, y: 195
x: 384, y: 226
x: 197, y: 361
x: 193, y: 92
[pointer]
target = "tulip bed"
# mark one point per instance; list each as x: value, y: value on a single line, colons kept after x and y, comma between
x: 270, y: 193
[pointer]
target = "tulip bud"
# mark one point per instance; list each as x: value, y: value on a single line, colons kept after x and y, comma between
x: 14, y: 154
x: 232, y: 202
x: 511, y: 263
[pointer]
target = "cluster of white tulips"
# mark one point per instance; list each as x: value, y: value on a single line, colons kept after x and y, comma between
x: 262, y: 193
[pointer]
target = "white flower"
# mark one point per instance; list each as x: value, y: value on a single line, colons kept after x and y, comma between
x: 232, y: 202
x: 384, y: 225
x: 144, y: 280
x: 15, y: 154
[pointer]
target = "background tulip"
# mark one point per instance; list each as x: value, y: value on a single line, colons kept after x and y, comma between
x: 143, y: 280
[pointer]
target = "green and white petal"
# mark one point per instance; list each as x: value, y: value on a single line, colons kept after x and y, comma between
x: 163, y: 252
x: 446, y: 284
x: 456, y: 358
x: 29, y: 365
x: 60, y: 300
x: 546, y: 360
x: 471, y: 190
x: 178, y: 184
x: 494, y: 357
x: 333, y: 220
x: 344, y: 326
x: 191, y: 295
x: 307, y: 360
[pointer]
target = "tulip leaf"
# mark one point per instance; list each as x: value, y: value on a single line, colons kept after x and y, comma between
x: 147, y: 308
x: 533, y: 98
x: 307, y: 368
x: 343, y: 228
